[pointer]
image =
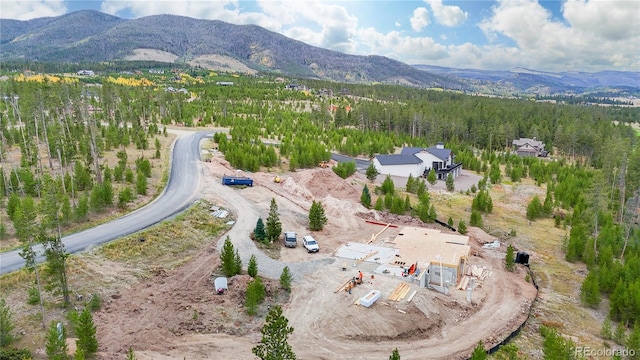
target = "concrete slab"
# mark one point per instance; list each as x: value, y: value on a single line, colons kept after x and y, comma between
x: 355, y: 251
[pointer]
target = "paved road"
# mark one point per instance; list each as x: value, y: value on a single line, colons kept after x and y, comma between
x: 181, y: 191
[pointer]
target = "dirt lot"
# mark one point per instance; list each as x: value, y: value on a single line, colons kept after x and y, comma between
x: 176, y: 315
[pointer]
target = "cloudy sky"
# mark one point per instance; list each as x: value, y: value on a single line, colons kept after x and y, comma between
x: 559, y: 35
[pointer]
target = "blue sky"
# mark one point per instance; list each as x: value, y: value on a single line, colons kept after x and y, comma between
x: 561, y: 35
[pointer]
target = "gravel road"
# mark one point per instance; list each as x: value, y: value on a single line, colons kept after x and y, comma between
x: 246, y: 217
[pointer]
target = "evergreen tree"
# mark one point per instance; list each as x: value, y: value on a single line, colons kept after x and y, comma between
x: 131, y: 355
x: 379, y: 206
x: 237, y: 263
x: 510, y: 262
x: 372, y: 173
x: 590, y: 290
x: 56, y: 270
x: 411, y: 185
x: 141, y: 183
x: 78, y: 354
x: 274, y: 227
x: 317, y: 218
x: 462, y: 227
x: 633, y: 341
x: 365, y: 198
x: 555, y: 346
x: 285, y: 279
x: 475, y: 219
x: 431, y: 177
x: 620, y: 334
x: 275, y: 333
x: 6, y: 325
x: 606, y: 332
x: 259, y: 232
x: 387, y: 186
x: 86, y: 333
x: 450, y: 221
x: 227, y: 256
x: 56, y: 347
x: 479, y: 353
x: 534, y: 209
x: 252, y: 268
x: 450, y: 183
x: 395, y: 355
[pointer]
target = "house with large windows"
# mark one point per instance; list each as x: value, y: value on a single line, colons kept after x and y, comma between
x: 418, y: 162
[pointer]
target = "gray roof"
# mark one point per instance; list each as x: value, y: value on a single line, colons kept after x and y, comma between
x: 533, y: 142
x: 398, y: 159
x: 442, y: 154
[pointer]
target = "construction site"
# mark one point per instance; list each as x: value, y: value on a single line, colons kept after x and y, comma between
x: 379, y: 282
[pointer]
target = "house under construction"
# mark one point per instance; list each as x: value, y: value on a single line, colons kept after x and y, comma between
x: 440, y: 257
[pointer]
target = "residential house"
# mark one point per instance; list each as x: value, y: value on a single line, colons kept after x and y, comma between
x: 419, y: 162
x: 529, y: 147
x: 86, y: 73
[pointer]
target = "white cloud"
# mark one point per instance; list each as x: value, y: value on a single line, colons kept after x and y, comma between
x: 590, y: 42
x: 420, y: 19
x: 397, y: 24
x: 29, y: 9
x: 447, y: 15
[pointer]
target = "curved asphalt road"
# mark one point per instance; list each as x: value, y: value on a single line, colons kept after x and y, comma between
x: 181, y: 191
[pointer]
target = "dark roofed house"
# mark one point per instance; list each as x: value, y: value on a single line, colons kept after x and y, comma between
x: 418, y: 162
x: 529, y: 147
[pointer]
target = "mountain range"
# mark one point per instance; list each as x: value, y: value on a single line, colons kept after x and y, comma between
x: 92, y: 36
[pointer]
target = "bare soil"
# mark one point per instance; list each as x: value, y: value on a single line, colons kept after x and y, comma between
x: 175, y: 314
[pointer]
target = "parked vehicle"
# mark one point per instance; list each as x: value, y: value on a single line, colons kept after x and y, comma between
x: 235, y: 180
x: 310, y: 244
x: 290, y: 239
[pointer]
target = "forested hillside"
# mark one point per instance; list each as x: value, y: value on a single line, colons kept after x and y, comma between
x: 56, y: 129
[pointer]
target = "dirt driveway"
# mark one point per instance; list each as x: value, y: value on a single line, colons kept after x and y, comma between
x: 176, y: 315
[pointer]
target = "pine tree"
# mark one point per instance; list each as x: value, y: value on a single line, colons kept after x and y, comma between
x: 451, y: 186
x: 227, y: 256
x: 252, y: 268
x: 317, y: 218
x: 387, y: 186
x: 410, y: 187
x: 476, y: 219
x: 395, y: 355
x: 510, y: 262
x: 606, y: 332
x: 274, y: 227
x: 372, y: 173
x: 450, y: 221
x: 431, y: 177
x: 534, y: 209
x: 275, y: 333
x: 590, y: 290
x: 86, y: 333
x: 620, y: 334
x: 462, y: 227
x: 237, y: 263
x: 554, y: 345
x: 78, y: 354
x: 259, y: 232
x: 141, y: 183
x: 365, y: 198
x: 56, y: 347
x: 633, y: 342
x: 285, y: 279
x: 130, y: 354
x: 6, y: 325
x: 479, y: 353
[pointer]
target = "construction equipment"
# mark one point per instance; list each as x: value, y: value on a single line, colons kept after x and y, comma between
x: 277, y: 180
x: 323, y: 164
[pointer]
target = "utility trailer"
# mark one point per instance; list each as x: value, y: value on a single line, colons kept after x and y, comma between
x: 236, y: 180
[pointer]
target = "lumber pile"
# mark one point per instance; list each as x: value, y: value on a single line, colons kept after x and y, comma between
x: 480, y: 272
x: 375, y: 236
x: 399, y: 292
x: 464, y: 282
